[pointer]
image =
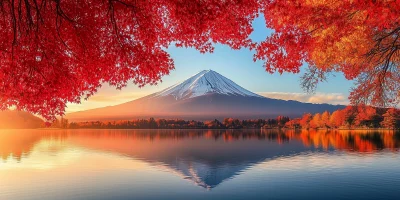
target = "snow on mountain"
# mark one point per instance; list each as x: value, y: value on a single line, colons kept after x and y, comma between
x: 205, y: 82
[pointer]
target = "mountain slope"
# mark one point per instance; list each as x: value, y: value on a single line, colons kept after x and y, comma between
x: 204, y: 96
x: 11, y: 119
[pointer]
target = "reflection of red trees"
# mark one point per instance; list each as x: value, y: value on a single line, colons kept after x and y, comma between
x: 16, y: 145
x: 359, y: 141
x: 19, y: 143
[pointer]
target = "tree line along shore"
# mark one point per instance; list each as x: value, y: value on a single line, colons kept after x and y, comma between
x: 351, y: 117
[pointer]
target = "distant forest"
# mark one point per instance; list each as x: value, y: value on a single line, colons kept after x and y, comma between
x: 360, y: 117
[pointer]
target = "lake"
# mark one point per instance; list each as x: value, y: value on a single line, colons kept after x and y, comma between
x: 198, y: 164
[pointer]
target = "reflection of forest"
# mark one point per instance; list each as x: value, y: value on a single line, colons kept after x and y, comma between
x: 358, y: 141
x: 17, y: 143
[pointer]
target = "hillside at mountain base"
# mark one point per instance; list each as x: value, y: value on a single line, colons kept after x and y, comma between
x: 12, y: 119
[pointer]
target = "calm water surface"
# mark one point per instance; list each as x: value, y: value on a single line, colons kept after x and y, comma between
x: 198, y: 164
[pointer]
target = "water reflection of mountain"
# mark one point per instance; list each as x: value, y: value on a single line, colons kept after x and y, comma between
x: 203, y: 156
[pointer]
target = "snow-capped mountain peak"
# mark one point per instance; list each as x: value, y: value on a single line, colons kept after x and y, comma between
x: 203, y: 83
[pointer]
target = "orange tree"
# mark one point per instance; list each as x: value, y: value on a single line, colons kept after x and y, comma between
x: 359, y: 38
x: 58, y: 51
x: 391, y: 118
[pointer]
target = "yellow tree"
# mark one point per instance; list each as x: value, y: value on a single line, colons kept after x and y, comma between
x: 316, y: 121
x: 325, y: 119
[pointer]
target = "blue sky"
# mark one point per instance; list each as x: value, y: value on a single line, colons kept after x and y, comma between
x: 236, y: 65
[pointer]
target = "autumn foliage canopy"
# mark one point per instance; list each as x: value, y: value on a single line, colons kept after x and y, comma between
x: 58, y: 51
x: 358, y: 38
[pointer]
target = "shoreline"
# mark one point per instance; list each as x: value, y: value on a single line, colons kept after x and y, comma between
x: 233, y: 129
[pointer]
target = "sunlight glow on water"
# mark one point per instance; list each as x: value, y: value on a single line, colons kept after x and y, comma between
x: 198, y: 164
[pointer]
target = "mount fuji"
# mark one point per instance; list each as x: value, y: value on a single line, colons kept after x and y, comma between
x: 204, y: 83
x: 205, y: 96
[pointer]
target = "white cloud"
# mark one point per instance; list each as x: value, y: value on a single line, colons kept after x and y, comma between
x: 331, y: 98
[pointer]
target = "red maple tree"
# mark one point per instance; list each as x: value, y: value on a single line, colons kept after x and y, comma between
x: 58, y: 51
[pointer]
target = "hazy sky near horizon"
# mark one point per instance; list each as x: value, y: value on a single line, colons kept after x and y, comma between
x: 236, y: 65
